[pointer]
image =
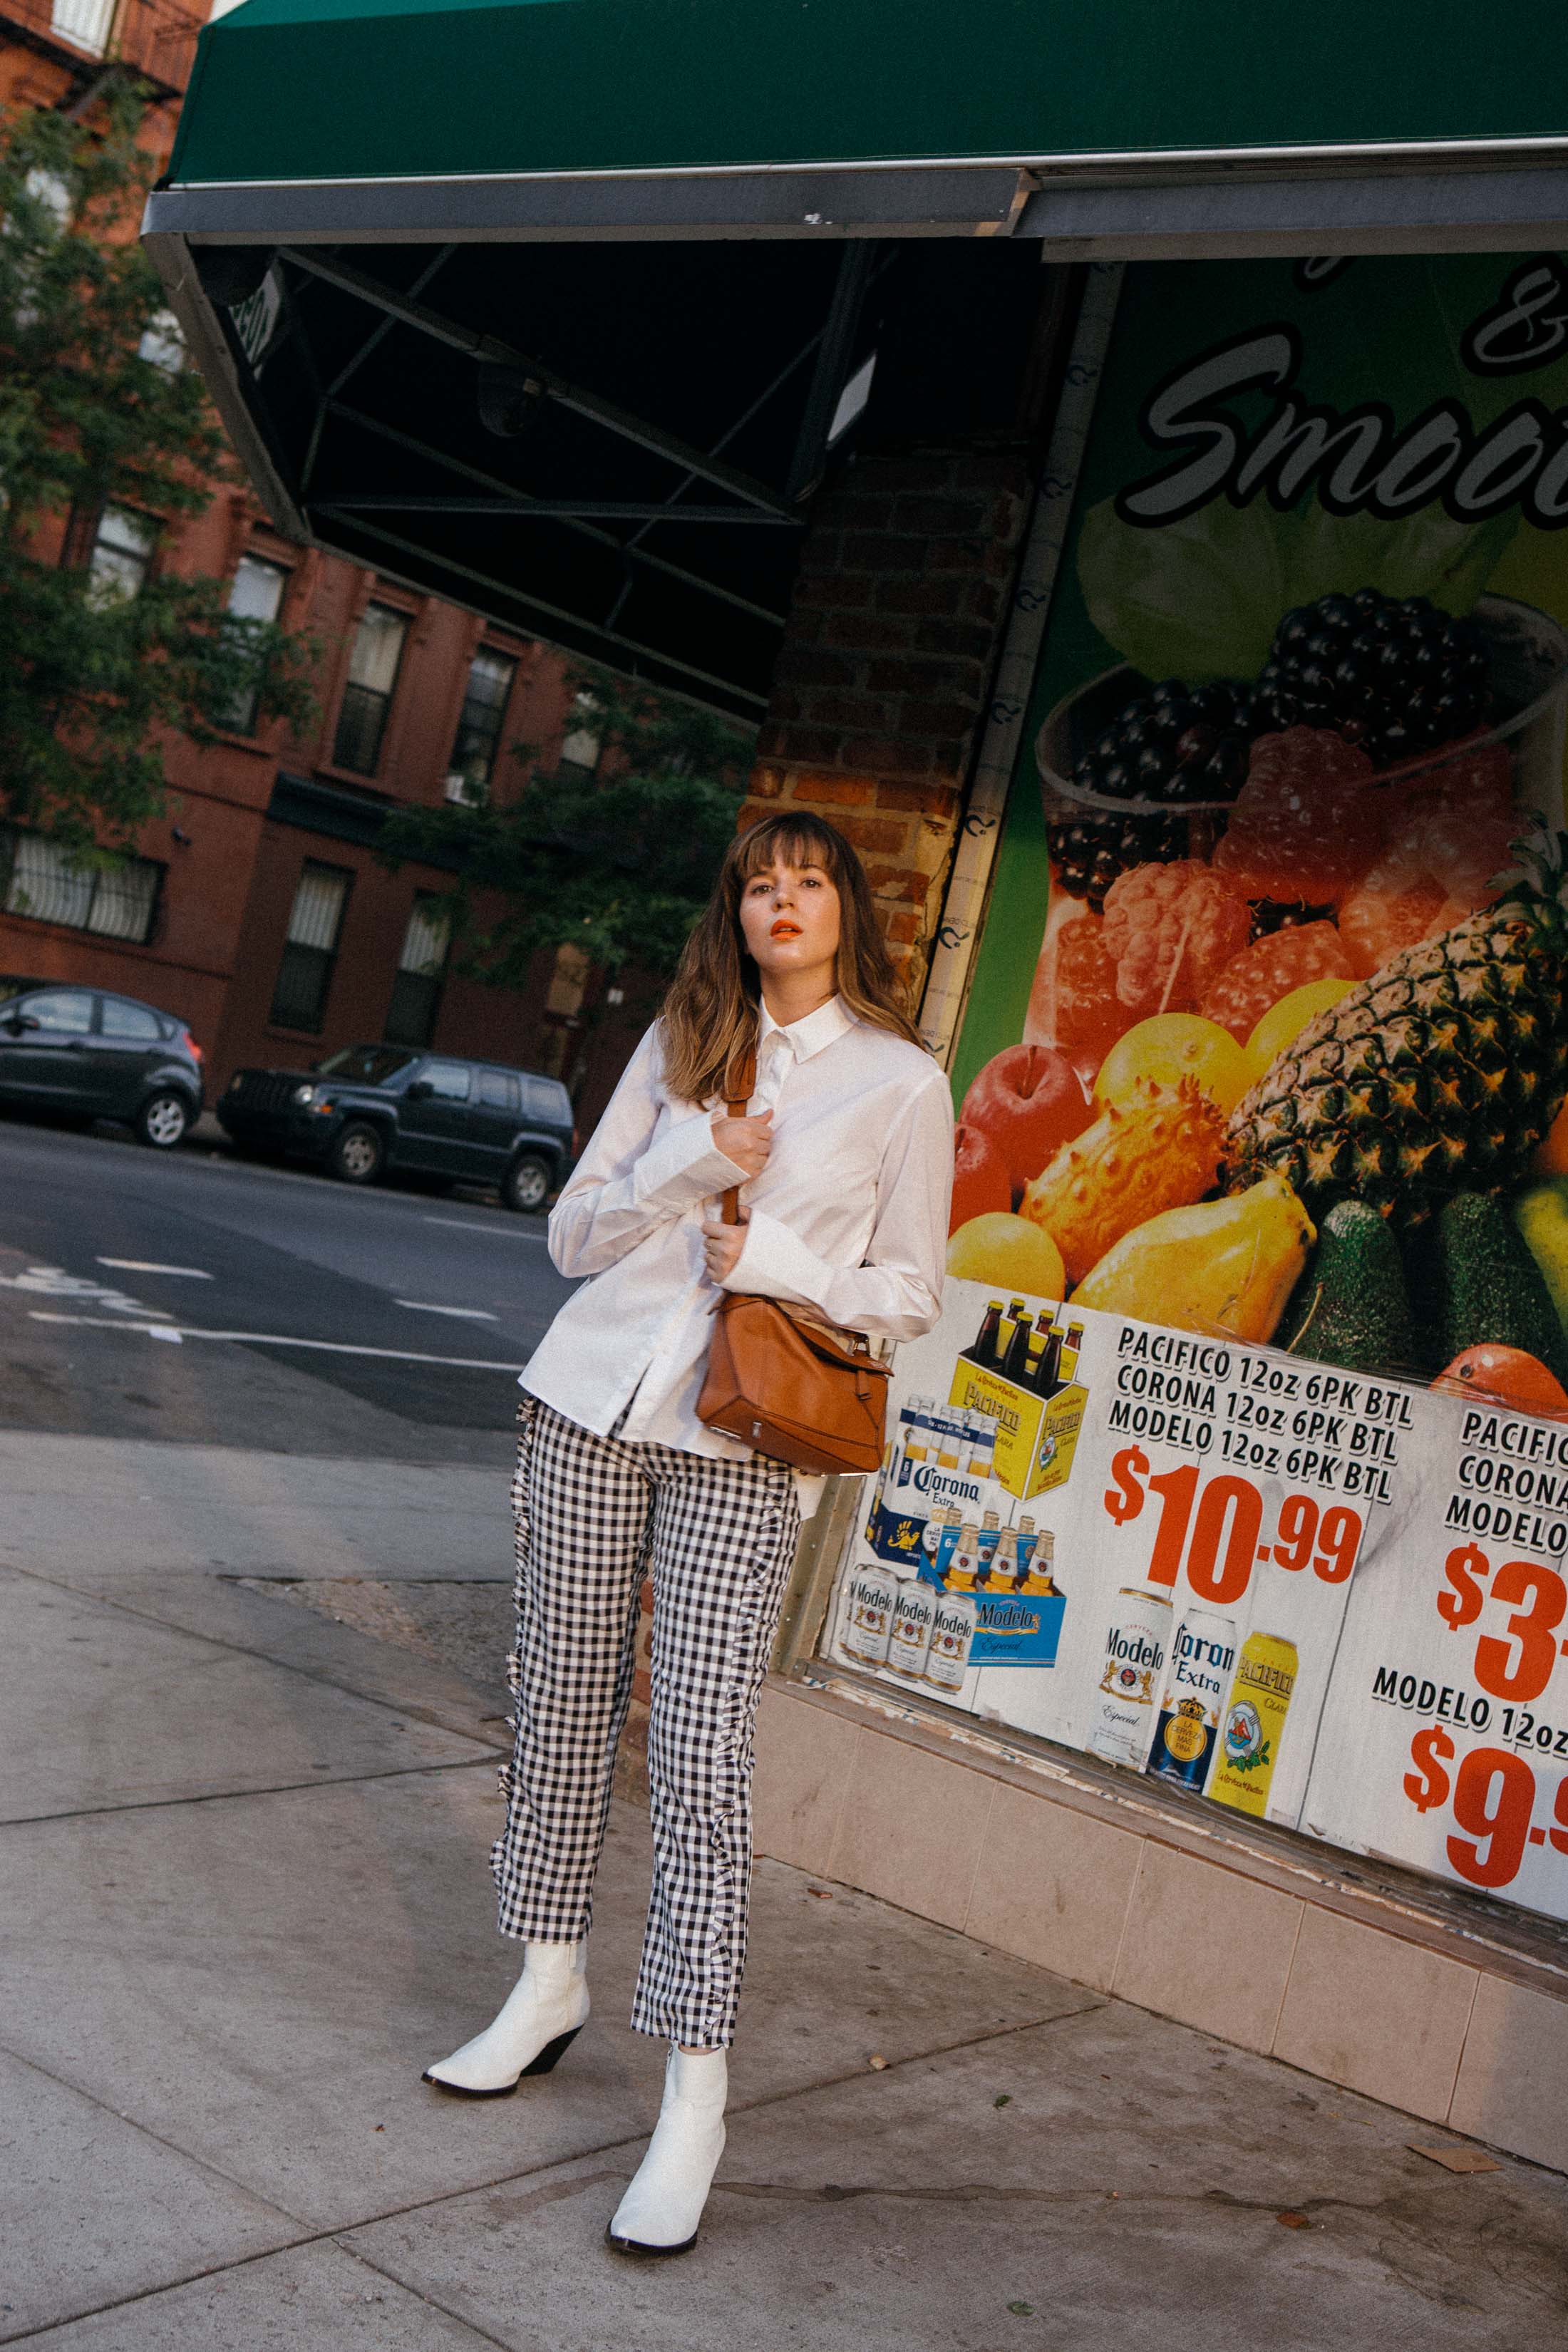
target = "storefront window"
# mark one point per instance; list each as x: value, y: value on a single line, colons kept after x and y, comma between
x: 1240, y: 1457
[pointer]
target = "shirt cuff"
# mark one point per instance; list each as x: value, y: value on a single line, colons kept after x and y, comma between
x: 684, y: 1166
x: 776, y: 1263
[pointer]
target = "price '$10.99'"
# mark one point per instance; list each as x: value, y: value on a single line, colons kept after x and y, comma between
x: 1214, y: 1527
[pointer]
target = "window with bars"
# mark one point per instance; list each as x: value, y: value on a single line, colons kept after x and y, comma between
x: 256, y: 594
x: 480, y: 723
x: 421, y: 973
x: 311, y: 947
x: 44, y: 884
x: 121, y: 556
x: 367, y: 696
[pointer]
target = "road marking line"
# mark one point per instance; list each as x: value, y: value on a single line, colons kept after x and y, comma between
x: 468, y: 1313
x: 274, y: 1339
x: 146, y: 1266
x: 470, y: 1225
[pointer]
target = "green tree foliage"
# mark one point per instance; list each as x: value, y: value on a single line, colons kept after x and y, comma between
x: 97, y: 411
x: 619, y: 864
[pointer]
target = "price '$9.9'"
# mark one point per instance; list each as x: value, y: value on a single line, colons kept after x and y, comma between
x: 1493, y: 1791
x: 1215, y: 1526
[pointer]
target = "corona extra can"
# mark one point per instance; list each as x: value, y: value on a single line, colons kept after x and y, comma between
x: 869, y: 1624
x: 914, y: 1606
x: 1198, y: 1676
x: 1135, y: 1649
x: 952, y: 1635
x: 1254, y: 1723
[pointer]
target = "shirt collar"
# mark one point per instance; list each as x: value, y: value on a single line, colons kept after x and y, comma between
x: 807, y: 1037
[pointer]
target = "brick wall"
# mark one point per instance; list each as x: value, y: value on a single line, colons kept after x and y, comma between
x: 881, y: 687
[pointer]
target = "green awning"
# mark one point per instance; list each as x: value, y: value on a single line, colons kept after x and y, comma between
x: 794, y: 116
x: 561, y: 308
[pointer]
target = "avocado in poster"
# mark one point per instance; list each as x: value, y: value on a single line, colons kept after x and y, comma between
x: 1279, y: 924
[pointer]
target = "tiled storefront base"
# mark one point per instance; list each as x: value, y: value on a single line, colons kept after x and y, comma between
x: 1260, y: 1944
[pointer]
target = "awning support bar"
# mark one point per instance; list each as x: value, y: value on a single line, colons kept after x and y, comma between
x: 514, y: 595
x: 488, y: 348
x: 546, y: 510
x: 631, y: 551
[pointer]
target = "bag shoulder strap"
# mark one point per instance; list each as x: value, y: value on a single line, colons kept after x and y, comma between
x: 735, y: 1107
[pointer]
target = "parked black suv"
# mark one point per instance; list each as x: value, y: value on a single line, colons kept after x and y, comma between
x: 79, y: 1053
x: 371, y: 1107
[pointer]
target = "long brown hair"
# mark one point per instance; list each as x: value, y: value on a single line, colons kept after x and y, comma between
x: 709, y: 1022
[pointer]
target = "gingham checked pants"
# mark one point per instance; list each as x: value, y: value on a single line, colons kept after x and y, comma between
x: 594, y: 1516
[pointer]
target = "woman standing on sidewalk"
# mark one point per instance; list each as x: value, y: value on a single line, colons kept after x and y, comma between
x: 846, y: 1167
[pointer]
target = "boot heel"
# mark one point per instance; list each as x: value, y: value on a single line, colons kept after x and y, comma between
x: 552, y: 2053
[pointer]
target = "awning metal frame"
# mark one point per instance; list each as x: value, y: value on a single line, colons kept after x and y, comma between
x: 303, y: 508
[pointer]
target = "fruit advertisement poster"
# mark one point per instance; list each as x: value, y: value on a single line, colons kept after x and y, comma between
x: 1267, y: 1035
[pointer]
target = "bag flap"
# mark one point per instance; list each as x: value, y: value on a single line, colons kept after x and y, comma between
x: 849, y: 1350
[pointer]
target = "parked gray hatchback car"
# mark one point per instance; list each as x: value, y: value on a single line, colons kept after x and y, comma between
x: 81, y: 1053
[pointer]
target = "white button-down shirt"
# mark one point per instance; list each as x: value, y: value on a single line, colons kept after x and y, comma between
x: 848, y: 1217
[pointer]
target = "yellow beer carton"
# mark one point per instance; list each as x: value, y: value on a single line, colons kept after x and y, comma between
x: 1037, y: 1436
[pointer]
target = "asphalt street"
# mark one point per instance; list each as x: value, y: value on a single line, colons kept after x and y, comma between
x: 201, y: 1299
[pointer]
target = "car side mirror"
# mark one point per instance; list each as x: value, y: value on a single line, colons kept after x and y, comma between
x: 20, y: 1022
x: 420, y: 1091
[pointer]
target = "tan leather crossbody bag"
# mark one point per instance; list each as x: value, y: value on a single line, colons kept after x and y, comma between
x: 783, y: 1380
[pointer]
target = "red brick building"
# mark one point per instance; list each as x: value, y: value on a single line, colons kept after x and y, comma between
x: 255, y: 908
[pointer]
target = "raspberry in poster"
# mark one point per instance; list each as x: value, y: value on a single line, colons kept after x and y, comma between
x: 1268, y: 1036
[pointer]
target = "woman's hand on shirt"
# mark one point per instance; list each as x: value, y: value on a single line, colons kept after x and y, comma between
x: 746, y: 1141
x: 722, y: 1244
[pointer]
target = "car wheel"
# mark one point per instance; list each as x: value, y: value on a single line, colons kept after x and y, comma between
x: 163, y: 1120
x: 359, y: 1154
x: 525, y: 1187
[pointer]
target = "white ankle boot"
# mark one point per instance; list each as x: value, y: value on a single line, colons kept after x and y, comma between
x: 660, y: 2210
x: 545, y: 2009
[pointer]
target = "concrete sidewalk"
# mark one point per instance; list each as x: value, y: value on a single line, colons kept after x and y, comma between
x: 244, y: 1899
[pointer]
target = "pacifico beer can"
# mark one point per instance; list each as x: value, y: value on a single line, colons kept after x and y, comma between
x: 1198, y: 1676
x: 1254, y: 1723
x: 1135, y: 1650
x: 873, y: 1587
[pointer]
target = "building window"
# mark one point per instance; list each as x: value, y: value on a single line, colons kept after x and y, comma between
x: 311, y: 947
x: 121, y: 556
x: 367, y: 697
x: 421, y: 970
x: 162, y: 343
x: 584, y: 740
x: 87, y: 23
x: 479, y: 726
x: 44, y: 884
x: 256, y: 594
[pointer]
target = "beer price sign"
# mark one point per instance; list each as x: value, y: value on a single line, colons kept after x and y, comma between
x: 1448, y: 1709
x: 1335, y: 1603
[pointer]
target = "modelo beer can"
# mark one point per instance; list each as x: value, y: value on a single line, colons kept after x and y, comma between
x: 952, y: 1638
x: 914, y: 1606
x: 1198, y: 1676
x: 872, y: 1588
x: 1135, y: 1650
x: 1254, y: 1723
